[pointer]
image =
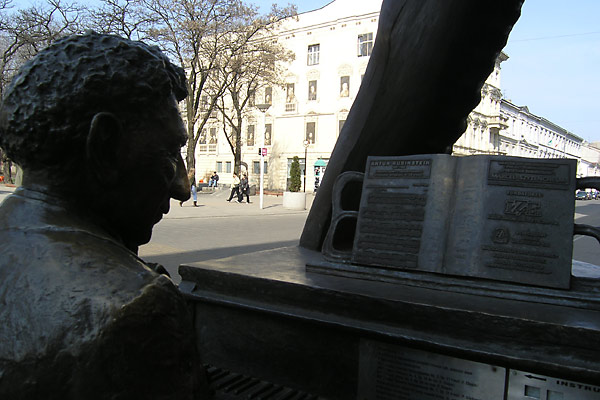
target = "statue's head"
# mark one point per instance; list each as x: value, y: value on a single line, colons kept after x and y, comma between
x: 94, y: 119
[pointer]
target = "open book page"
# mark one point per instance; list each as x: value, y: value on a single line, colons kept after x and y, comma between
x: 513, y: 220
x: 403, y: 217
x: 493, y: 217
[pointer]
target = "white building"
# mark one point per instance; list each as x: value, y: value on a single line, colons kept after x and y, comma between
x: 332, y: 47
x: 528, y: 135
x: 590, y: 160
x: 485, y: 122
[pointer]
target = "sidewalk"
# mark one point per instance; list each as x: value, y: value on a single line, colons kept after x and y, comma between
x: 5, y: 190
x: 214, y: 204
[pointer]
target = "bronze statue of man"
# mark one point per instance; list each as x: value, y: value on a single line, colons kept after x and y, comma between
x: 94, y: 124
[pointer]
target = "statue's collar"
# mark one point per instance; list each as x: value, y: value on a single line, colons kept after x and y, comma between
x: 41, y: 210
x: 41, y: 194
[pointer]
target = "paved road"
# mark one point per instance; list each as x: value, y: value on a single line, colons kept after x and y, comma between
x: 218, y: 229
x: 585, y: 248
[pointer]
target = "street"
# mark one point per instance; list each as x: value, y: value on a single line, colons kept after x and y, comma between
x: 218, y: 229
x: 586, y: 248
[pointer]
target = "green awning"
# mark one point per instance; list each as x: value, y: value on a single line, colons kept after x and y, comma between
x: 320, y: 163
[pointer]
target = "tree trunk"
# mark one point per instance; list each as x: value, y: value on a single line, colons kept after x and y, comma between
x: 190, y: 157
x: 237, y: 155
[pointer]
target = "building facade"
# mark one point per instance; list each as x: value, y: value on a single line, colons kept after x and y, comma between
x: 332, y: 46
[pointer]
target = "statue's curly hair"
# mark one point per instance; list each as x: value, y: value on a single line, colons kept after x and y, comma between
x: 47, y: 108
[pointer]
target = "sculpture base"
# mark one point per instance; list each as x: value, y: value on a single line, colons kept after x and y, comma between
x: 262, y: 314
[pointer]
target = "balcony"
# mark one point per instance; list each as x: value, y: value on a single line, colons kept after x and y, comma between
x: 497, y: 122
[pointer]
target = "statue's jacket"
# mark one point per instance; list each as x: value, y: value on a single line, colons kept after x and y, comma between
x: 82, y: 317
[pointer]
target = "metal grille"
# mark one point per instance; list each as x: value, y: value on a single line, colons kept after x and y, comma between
x: 232, y: 386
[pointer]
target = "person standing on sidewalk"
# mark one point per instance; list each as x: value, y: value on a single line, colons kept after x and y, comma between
x: 194, y: 190
x: 235, y: 187
x: 244, y: 189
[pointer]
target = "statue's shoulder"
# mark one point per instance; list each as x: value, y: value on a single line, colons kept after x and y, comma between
x: 72, y: 294
x: 79, y: 304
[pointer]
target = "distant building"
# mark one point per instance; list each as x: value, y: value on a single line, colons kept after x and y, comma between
x: 589, y: 164
x: 333, y: 45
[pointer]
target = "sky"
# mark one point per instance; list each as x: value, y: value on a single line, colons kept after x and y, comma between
x: 553, y: 65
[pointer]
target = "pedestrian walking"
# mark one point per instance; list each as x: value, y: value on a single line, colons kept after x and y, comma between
x: 244, y: 189
x: 235, y: 187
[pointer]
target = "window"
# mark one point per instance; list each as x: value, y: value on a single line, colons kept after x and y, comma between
x: 345, y: 86
x: 219, y: 166
x: 250, y: 136
x: 228, y: 167
x: 312, y: 90
x: 268, y: 134
x: 256, y: 168
x: 310, y: 132
x: 202, y: 141
x: 313, y: 54
x: 341, y: 123
x: 365, y: 44
x: 269, y: 95
x: 212, y: 139
x: 252, y: 98
x: 290, y: 102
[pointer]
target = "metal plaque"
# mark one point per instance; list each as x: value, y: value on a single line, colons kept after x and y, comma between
x: 389, y: 372
x: 494, y: 217
x: 528, y: 386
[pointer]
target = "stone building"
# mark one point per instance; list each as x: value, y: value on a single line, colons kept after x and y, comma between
x: 589, y: 164
x: 332, y: 47
x: 528, y: 135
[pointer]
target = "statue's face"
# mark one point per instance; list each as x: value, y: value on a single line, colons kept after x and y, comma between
x: 153, y: 174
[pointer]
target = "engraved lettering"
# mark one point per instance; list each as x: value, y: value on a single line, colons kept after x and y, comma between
x: 524, y: 193
x: 523, y: 207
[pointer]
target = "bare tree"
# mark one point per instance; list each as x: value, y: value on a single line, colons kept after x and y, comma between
x: 191, y: 32
x: 127, y: 18
x: 254, y: 61
x: 204, y: 36
x: 27, y: 31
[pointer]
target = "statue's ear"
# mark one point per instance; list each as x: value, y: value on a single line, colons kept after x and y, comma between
x: 102, y: 146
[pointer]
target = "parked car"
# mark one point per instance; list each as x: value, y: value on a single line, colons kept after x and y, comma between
x: 581, y: 195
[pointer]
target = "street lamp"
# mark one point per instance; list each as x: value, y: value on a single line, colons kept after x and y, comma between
x: 263, y: 109
x: 306, y: 143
